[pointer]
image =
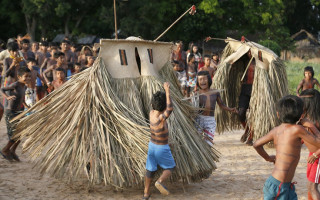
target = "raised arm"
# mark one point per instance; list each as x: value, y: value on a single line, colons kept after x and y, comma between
x: 223, y: 106
x: 299, y: 88
x: 43, y: 65
x: 169, y: 107
x: 41, y: 78
x: 258, y: 146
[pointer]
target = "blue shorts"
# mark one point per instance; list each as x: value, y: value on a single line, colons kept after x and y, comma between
x: 159, y: 155
x: 271, y: 190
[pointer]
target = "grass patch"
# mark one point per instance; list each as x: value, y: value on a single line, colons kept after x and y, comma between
x: 295, y: 74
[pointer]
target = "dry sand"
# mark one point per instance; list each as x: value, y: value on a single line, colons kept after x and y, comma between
x: 241, y: 174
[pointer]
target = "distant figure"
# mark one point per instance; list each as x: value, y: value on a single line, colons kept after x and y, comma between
x: 287, y: 138
x: 206, y: 67
x: 60, y: 79
x: 308, y: 82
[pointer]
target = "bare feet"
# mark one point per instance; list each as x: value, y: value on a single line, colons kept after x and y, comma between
x: 15, y: 157
x: 146, y: 196
x: 249, y: 142
x: 6, y: 155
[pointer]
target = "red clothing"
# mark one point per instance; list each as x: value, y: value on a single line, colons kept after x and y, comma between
x: 313, y: 171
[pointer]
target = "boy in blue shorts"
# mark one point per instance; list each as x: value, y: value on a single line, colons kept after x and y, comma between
x: 287, y: 141
x: 159, y: 152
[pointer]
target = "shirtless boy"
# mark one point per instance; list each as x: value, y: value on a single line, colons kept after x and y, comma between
x: 308, y: 82
x: 60, y: 58
x: 60, y: 79
x: 206, y: 67
x: 207, y: 101
x: 31, y: 93
x: 287, y: 140
x: 14, y: 95
x: 159, y: 152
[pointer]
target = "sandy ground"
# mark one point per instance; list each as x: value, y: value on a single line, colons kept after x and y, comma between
x: 241, y: 174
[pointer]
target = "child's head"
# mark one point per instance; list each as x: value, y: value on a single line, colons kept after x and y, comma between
x: 77, y: 67
x: 215, y: 56
x: 43, y: 45
x: 90, y: 60
x: 204, y: 80
x: 158, y: 101
x: 35, y: 46
x: 65, y: 45
x: 311, y: 104
x: 13, y: 48
x: 24, y: 75
x: 195, y: 49
x: 31, y: 62
x: 289, y: 109
x: 308, y: 72
x: 191, y: 57
x: 207, y: 60
x: 60, y: 74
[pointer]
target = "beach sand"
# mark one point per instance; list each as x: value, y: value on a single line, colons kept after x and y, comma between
x: 241, y: 174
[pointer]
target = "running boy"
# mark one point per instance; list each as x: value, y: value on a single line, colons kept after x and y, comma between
x: 159, y: 152
x: 287, y: 140
x: 308, y: 82
x: 14, y: 95
x: 207, y: 102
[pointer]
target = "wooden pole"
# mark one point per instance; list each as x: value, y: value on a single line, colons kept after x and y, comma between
x: 115, y: 19
x: 172, y: 24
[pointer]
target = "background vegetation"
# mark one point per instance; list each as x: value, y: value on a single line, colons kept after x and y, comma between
x: 271, y: 20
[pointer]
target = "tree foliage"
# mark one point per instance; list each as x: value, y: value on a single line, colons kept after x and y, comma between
x: 273, y: 20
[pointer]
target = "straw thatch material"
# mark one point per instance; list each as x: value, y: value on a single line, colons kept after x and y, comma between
x: 270, y: 84
x: 100, y: 120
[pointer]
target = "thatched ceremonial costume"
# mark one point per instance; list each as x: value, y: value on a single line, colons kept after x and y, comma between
x: 100, y: 116
x: 270, y: 84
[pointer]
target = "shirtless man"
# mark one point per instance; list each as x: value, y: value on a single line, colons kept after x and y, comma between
x: 244, y: 99
x: 159, y: 152
x: 207, y: 101
x: 206, y: 67
x: 308, y: 82
x: 287, y: 140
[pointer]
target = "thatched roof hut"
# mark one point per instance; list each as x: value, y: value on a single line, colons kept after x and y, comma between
x: 307, y: 48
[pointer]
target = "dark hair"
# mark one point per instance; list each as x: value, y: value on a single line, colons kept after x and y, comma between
x: 204, y: 73
x: 19, y: 35
x: 311, y: 104
x: 191, y: 55
x: 290, y: 109
x: 176, y: 62
x: 215, y: 54
x: 12, y: 46
x: 23, y: 70
x: 195, y: 46
x: 58, y: 54
x: 25, y: 41
x: 31, y: 60
x: 65, y: 41
x: 309, y: 69
x: 77, y: 64
x: 53, y: 44
x: 207, y: 56
x: 158, y: 101
x: 44, y: 43
x: 59, y: 69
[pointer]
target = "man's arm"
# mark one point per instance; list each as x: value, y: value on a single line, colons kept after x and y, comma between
x: 258, y: 146
x: 8, y: 68
x: 41, y: 78
x: 169, y: 107
x: 223, y: 106
x: 299, y: 88
x: 45, y: 76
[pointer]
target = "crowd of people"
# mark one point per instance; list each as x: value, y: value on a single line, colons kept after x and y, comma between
x: 30, y: 71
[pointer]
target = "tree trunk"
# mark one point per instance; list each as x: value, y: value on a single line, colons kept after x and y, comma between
x: 66, y: 27
x: 31, y: 26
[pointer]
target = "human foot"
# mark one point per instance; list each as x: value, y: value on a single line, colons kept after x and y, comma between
x: 146, y: 196
x: 15, y: 156
x: 163, y: 190
x: 6, y: 155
